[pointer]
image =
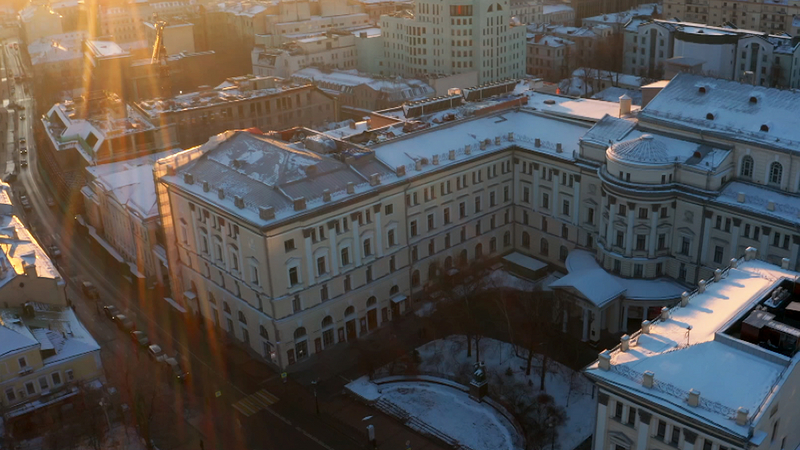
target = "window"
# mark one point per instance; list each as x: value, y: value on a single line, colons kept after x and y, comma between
x: 618, y: 411
x: 685, y: 245
x: 369, y: 274
x: 661, y: 431
x: 462, y: 210
x: 288, y: 245
x: 348, y: 285
x: 254, y: 275
x: 565, y: 208
x: 775, y: 173
x: 345, y: 256
x: 662, y: 241
x: 70, y: 375
x: 392, y: 264
x: 296, y: 307
x: 643, y: 213
x: 631, y: 416
x: 431, y: 224
x: 293, y: 279
x: 623, y: 210
x: 321, y: 269
x: 30, y: 388
x: 590, y: 215
x: 413, y: 228
x: 367, y: 247
x: 544, y: 247
x: 492, y: 245
x: 663, y: 214
x: 676, y: 436
x: 414, y: 253
x: 23, y: 363
x: 640, y: 241
x: 526, y: 194
x: 506, y: 238
x: 323, y: 293
x: 477, y: 204
x: 562, y: 253
x: 564, y: 231
x: 526, y: 240
x: 431, y: 247
x: 747, y: 166
x: 10, y: 395
x: 544, y: 224
x: 478, y: 228
x: 718, y: 254
x: 620, y: 239
x: 446, y: 214
x: 492, y: 199
x: 545, y: 200
x: 388, y: 210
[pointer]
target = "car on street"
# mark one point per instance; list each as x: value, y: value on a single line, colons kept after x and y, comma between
x: 155, y: 352
x: 55, y: 252
x: 140, y: 338
x: 23, y: 162
x: 23, y: 150
x: 124, y: 323
x: 175, y: 369
x: 21, y: 117
x: 26, y: 204
x: 22, y: 141
x: 111, y: 311
x: 89, y: 290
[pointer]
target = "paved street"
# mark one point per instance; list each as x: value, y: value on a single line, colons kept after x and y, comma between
x: 231, y: 400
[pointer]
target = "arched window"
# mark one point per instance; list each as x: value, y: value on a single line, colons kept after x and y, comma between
x: 526, y: 239
x: 415, y: 278
x: 562, y: 253
x: 263, y: 332
x: 775, y: 173
x: 478, y: 251
x: 300, y: 333
x: 499, y: 7
x: 372, y: 301
x: 433, y: 269
x: 462, y: 258
x: 327, y: 322
x: 242, y: 318
x: 448, y: 262
x: 747, y: 166
x: 350, y: 311
x: 506, y: 239
x: 300, y: 343
x: 394, y: 290
x: 544, y: 247
x: 226, y: 308
x: 491, y: 8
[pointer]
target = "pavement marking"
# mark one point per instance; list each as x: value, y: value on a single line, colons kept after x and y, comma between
x: 255, y: 402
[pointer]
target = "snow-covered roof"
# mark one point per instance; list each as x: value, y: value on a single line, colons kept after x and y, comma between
x: 19, y: 249
x: 14, y: 335
x: 548, y: 40
x: 728, y: 109
x: 757, y: 199
x: 582, y: 108
x: 613, y: 93
x: 600, y: 287
x: 344, y: 81
x: 105, y: 49
x: 644, y: 10
x: 59, y: 47
x: 728, y: 373
x: 525, y: 261
x: 611, y: 77
x: 557, y: 8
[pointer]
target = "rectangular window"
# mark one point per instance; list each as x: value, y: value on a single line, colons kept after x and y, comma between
x: 506, y: 194
x: 70, y: 375
x: 321, y: 269
x: 413, y: 228
x: 392, y: 264
x: 663, y: 214
x: 347, y: 284
x: 477, y: 204
x: 565, y: 208
x: 288, y: 245
x: 388, y: 210
x: 293, y: 280
x: 462, y: 210
x: 545, y: 200
x: 369, y: 274
x: 685, y: 245
x: 544, y: 224
x: 640, y: 241
x: 323, y: 293
x: 590, y: 215
x: 718, y: 254
x: 296, y: 307
x: 620, y: 239
x: 631, y: 416
x: 623, y: 210
x: 391, y: 238
x: 446, y: 214
x: 431, y: 222
x: 676, y: 436
x: 10, y: 395
x: 661, y: 430
x: 526, y: 195
x: 643, y: 213
x: 30, y: 388
x: 345, y: 253
x: 492, y: 199
x: 367, y: 247
x: 23, y: 363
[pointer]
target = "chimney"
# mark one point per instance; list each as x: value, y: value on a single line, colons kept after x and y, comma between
x: 374, y: 179
x: 238, y: 201
x: 770, y: 206
x: 604, y: 359
x: 468, y: 149
x: 311, y: 170
x: 510, y: 136
x: 221, y: 193
x: 684, y: 298
x: 451, y: 155
x: 648, y: 378
x: 170, y: 170
x: 188, y: 178
x: 785, y: 263
x: 664, y: 313
x: 418, y: 165
x: 435, y: 161
x: 30, y: 270
x: 236, y: 163
x: 646, y: 327
x: 750, y: 253
x: 740, y: 197
x: 483, y: 145
x: 734, y: 263
x: 401, y: 171
x: 558, y: 148
x: 624, y: 343
x: 267, y: 213
x: 497, y: 140
x: 206, y: 186
x: 326, y: 195
x: 624, y: 105
x: 351, y: 188
x: 717, y: 274
x: 537, y: 142
x: 741, y: 416
x: 694, y: 398
x: 701, y: 286
x: 300, y: 204
x: 353, y: 125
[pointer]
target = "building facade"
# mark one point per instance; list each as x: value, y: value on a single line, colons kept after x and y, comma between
x: 336, y: 50
x: 669, y: 200
x: 548, y: 57
x: 528, y: 11
x: 266, y: 103
x: 763, y: 16
x: 454, y: 37
x: 558, y: 14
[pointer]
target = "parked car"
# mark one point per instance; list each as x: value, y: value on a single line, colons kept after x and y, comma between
x: 156, y: 353
x: 111, y: 311
x: 125, y: 323
x: 23, y: 163
x: 89, y: 290
x: 55, y: 252
x: 140, y: 338
x: 175, y: 369
x: 23, y: 150
x: 26, y: 204
x: 22, y: 141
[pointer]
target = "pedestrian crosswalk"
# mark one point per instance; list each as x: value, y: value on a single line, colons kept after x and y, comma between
x: 255, y: 402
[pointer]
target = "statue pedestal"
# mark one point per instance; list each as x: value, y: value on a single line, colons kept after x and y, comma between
x: 478, y: 389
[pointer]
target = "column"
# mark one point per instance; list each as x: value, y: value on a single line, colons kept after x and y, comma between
x: 735, y: 237
x: 795, y: 249
x: 585, y: 335
x: 576, y: 200
x: 689, y: 438
x: 629, y: 231
x: 334, y: 248
x: 599, y: 438
x: 653, y: 231
x: 309, y: 256
x: 704, y: 239
x: 624, y: 325
x: 765, y: 234
x: 355, y: 219
x: 644, y: 429
x: 612, y: 209
x: 376, y: 209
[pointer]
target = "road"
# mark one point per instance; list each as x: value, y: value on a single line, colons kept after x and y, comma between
x: 203, y: 409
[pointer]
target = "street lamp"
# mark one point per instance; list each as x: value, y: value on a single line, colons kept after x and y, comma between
x: 316, y: 399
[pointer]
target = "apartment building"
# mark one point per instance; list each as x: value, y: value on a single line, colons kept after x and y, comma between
x: 548, y: 57
x: 57, y: 62
x: 334, y: 49
x: 764, y: 16
x: 618, y: 20
x: 646, y: 205
x: 376, y: 8
x: 527, y: 11
x: 124, y: 21
x: 38, y: 21
x: 364, y: 92
x: 558, y: 14
x: 454, y: 37
x: 718, y: 371
x: 587, y: 40
x: 727, y: 53
x: 46, y: 351
x: 266, y: 103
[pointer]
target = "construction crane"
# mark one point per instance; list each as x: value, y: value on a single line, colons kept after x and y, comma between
x: 159, y: 60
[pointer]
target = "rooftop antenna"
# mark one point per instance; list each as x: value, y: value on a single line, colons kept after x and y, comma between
x: 688, y: 330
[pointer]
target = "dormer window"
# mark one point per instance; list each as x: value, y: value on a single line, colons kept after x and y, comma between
x: 765, y: 128
x: 753, y: 99
x: 701, y: 89
x: 710, y: 116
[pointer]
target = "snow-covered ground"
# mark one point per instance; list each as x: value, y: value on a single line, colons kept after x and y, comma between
x: 437, y: 405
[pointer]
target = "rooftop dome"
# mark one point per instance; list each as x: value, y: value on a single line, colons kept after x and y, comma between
x: 644, y: 149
